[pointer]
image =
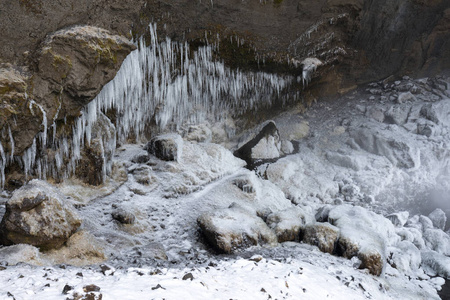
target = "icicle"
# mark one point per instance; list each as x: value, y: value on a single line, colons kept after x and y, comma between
x: 2, y: 166
x: 11, y: 140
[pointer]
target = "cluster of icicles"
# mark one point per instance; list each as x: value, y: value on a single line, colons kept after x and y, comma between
x: 166, y: 83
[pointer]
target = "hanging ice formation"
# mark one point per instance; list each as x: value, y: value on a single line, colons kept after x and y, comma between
x: 163, y: 82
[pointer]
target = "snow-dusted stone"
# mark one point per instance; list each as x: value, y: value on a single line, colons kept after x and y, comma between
x: 398, y: 152
x: 376, y: 113
x: 288, y: 223
x: 363, y: 233
x: 404, y: 97
x: 425, y: 222
x: 167, y: 147
x: 235, y: 227
x: 20, y: 253
x: 397, y: 114
x: 398, y: 219
x: 322, y: 213
x: 81, y: 249
x: 405, y: 257
x: 198, y: 133
x: 425, y: 129
x: 287, y: 147
x: 123, y: 216
x: 372, y: 260
x: 438, y: 218
x: 322, y: 235
x: 434, y: 263
x: 265, y: 145
x: 38, y: 215
x: 437, y: 240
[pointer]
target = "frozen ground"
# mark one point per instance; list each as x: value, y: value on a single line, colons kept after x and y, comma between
x: 378, y: 149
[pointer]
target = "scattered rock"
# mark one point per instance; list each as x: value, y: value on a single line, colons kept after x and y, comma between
x: 188, y: 276
x: 153, y: 250
x: 404, y: 97
x: 67, y: 288
x: 322, y: 235
x: 397, y: 114
x: 38, y: 215
x: 123, y: 216
x: 91, y: 288
x: 405, y: 257
x: 235, y: 227
x: 167, y: 147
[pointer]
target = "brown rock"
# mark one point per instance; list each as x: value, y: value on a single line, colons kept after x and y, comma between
x: 37, y: 215
x: 322, y: 235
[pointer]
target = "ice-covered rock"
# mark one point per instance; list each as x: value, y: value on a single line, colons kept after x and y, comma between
x: 265, y: 145
x: 198, y: 133
x: 322, y: 235
x: 434, y: 264
x: 372, y: 260
x: 438, y: 218
x: 123, y: 216
x: 363, y: 233
x: 38, y: 215
x: 437, y: 240
x: 20, y: 253
x: 405, y: 257
x: 322, y: 213
x: 404, y: 97
x: 167, y: 147
x: 398, y: 152
x: 288, y: 223
x: 397, y: 114
x: 398, y: 219
x: 235, y: 227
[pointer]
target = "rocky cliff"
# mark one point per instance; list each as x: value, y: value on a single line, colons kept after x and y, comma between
x: 56, y: 56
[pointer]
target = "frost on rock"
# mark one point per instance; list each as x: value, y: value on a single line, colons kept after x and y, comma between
x: 437, y: 240
x: 405, y: 257
x: 363, y: 233
x: 167, y: 147
x: 288, y: 223
x: 398, y: 219
x: 438, y: 218
x: 322, y: 235
x: 38, y: 215
x: 436, y: 264
x: 235, y: 227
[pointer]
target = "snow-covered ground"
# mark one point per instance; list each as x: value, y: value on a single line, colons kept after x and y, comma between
x: 385, y: 150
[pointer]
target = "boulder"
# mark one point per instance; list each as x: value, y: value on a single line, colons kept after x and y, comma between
x: 123, y: 216
x: 438, y: 218
x: 437, y: 240
x: 265, y: 145
x: 234, y: 228
x: 397, y: 114
x: 38, y: 215
x: 322, y: 235
x: 398, y: 219
x: 168, y: 147
x: 364, y: 234
x: 436, y: 264
x: 372, y: 260
x: 405, y: 257
x: 288, y: 223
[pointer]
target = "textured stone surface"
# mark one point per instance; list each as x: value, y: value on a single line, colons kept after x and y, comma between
x: 235, y: 227
x: 322, y: 235
x: 38, y: 215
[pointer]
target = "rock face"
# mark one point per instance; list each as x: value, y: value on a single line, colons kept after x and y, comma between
x: 235, y: 227
x: 73, y: 64
x: 36, y: 214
